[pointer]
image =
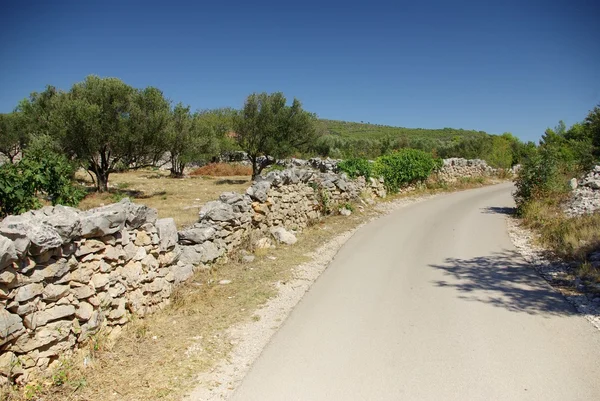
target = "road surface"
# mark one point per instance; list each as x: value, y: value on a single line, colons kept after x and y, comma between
x: 431, y: 303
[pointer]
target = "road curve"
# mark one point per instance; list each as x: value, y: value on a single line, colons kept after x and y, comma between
x: 431, y: 303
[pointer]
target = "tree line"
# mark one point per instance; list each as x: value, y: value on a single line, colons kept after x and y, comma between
x: 105, y: 125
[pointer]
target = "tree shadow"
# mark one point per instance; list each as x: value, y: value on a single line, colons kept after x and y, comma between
x: 510, y: 211
x: 503, y: 280
x: 231, y: 182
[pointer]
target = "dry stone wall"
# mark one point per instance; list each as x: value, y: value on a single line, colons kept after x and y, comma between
x: 65, y: 273
x: 456, y: 168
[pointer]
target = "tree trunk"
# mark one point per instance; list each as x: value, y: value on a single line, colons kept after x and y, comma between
x: 101, y: 180
x: 255, y: 167
x: 177, y: 168
x: 101, y: 176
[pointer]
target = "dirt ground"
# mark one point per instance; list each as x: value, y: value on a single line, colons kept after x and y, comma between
x: 180, y: 198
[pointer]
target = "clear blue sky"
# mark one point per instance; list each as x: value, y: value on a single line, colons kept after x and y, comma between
x: 496, y: 66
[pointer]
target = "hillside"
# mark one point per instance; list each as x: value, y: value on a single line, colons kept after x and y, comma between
x: 353, y: 130
x: 344, y: 139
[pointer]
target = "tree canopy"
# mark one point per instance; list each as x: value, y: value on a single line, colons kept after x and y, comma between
x: 268, y: 127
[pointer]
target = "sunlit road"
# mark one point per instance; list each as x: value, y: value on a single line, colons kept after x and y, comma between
x: 431, y: 303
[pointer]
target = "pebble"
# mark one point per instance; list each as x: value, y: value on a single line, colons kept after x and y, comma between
x: 225, y: 282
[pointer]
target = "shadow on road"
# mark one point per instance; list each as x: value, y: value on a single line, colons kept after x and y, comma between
x: 503, y: 280
x: 499, y: 210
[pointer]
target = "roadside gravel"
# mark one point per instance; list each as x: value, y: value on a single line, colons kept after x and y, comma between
x: 557, y: 273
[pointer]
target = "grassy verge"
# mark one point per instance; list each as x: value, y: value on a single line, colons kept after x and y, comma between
x: 159, y: 357
x: 568, y: 238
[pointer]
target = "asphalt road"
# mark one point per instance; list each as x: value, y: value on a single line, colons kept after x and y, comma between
x: 431, y: 303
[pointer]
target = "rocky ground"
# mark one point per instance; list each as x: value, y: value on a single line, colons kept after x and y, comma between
x: 586, y: 194
x: 558, y: 274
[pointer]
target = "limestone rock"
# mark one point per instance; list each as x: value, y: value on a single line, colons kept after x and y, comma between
x: 43, y: 238
x: 259, y: 190
x: 65, y: 220
x: 238, y: 202
x: 197, y: 234
x: 345, y: 212
x: 100, y: 280
x: 90, y: 246
x: 142, y: 239
x: 10, y: 325
x: 40, y: 318
x: 137, y: 215
x: 53, y: 332
x: 263, y: 243
x: 202, y: 253
x: 15, y: 228
x: 248, y: 258
x: 84, y: 311
x: 9, y: 364
x: 8, y: 253
x: 217, y: 211
x: 167, y: 232
x: 53, y: 292
x: 132, y: 273
x: 283, y: 236
x: 182, y: 273
x: 103, y: 220
x: 27, y: 292
x: 573, y: 183
x: 83, y: 292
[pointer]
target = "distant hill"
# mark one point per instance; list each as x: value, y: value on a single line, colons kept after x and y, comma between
x: 353, y: 130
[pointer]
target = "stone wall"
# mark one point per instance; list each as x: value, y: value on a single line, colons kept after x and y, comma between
x: 65, y: 273
x: 456, y: 168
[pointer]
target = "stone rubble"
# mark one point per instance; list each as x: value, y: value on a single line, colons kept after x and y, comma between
x: 585, y: 198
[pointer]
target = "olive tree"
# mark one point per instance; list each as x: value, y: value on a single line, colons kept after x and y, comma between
x: 194, y: 137
x: 12, y: 137
x: 268, y: 127
x: 107, y: 124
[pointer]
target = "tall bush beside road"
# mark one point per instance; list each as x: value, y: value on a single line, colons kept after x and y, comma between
x: 405, y: 167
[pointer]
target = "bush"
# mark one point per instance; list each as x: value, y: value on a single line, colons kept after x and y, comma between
x: 356, y: 167
x: 405, y: 167
x: 541, y: 176
x: 37, y: 174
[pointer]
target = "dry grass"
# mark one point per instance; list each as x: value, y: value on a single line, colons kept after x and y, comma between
x: 180, y: 198
x: 159, y: 357
x: 570, y: 238
x: 222, y: 170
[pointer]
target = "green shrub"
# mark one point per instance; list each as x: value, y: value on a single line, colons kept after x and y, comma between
x: 356, y: 167
x: 541, y: 176
x: 405, y: 167
x: 37, y: 174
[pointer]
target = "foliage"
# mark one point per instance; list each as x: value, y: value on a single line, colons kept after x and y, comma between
x: 539, y: 177
x: 101, y: 122
x: 39, y: 173
x: 405, y: 167
x: 193, y: 138
x: 12, y: 137
x: 266, y: 126
x: 356, y: 167
x: 348, y: 140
